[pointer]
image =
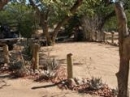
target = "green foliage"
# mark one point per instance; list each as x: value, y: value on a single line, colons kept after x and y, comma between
x: 27, y: 27
x: 96, y: 83
x: 58, y: 9
x: 18, y: 68
x: 73, y: 22
x: 21, y: 14
x: 128, y: 17
x: 16, y: 65
x: 88, y: 7
x: 111, y: 24
x: 27, y: 51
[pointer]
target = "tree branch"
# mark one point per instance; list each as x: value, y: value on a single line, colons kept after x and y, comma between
x: 3, y: 3
x: 72, y: 11
x: 104, y: 19
x: 108, y: 16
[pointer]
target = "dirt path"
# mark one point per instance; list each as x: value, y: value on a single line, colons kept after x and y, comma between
x: 90, y: 60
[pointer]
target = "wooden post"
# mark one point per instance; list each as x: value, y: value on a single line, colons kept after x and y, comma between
x: 112, y: 36
x: 35, y: 58
x: 69, y: 66
x: 6, y: 54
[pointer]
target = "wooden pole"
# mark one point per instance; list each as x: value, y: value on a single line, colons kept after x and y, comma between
x: 69, y: 66
x: 112, y: 35
x: 6, y: 54
x: 35, y: 58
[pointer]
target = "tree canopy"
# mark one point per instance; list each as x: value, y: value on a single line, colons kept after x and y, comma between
x: 56, y: 10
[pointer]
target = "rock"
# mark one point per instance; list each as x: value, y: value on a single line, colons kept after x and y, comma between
x: 85, y: 81
x: 52, y: 74
x: 42, y: 72
x: 37, y: 72
x: 78, y: 80
x: 72, y: 83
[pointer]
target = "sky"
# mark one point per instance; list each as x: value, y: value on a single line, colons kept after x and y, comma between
x: 27, y: 1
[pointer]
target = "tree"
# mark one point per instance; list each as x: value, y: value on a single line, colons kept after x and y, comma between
x: 100, y: 14
x: 44, y: 13
x: 93, y: 15
x: 20, y: 16
x: 3, y: 3
x: 110, y: 21
x: 124, y: 51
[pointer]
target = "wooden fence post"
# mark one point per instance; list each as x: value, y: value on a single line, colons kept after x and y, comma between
x: 35, y: 58
x: 69, y: 66
x: 112, y: 36
x: 6, y: 54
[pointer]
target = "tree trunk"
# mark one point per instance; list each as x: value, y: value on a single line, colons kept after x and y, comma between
x: 89, y: 25
x: 3, y: 3
x: 72, y: 11
x: 105, y: 19
x: 43, y: 19
x: 44, y: 24
x: 124, y: 51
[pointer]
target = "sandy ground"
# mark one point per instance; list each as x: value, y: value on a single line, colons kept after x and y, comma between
x: 89, y: 59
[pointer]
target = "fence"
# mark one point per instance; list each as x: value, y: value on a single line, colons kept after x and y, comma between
x: 111, y: 38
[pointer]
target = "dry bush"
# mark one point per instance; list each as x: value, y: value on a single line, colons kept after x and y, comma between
x: 95, y: 83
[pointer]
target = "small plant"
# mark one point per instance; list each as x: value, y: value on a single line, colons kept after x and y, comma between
x: 51, y: 65
x: 115, y: 91
x: 18, y: 69
x: 95, y: 83
x: 27, y: 52
x: 16, y: 65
